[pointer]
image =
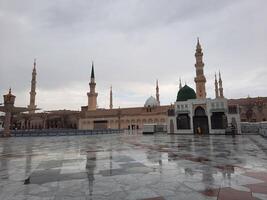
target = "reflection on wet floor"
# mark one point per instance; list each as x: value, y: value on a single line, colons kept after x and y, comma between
x: 132, y: 166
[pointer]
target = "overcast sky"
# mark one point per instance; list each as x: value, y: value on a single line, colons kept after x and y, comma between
x: 132, y: 43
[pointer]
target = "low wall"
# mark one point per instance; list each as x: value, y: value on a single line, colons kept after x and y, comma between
x: 61, y: 132
x: 263, y: 129
x: 254, y: 128
x: 250, y: 128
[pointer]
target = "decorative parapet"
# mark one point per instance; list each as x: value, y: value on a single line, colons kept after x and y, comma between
x: 183, y: 112
x: 218, y: 110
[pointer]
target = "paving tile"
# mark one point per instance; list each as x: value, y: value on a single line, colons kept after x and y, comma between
x: 231, y: 194
x: 134, y: 167
x: 258, y: 188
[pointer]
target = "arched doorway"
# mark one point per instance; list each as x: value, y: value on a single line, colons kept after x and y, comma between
x: 200, y: 121
x: 218, y: 120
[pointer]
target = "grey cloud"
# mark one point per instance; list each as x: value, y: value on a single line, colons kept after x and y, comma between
x: 127, y: 15
x: 130, y: 42
x: 108, y: 14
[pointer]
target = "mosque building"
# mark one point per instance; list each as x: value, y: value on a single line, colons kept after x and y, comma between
x: 91, y: 117
x: 120, y: 118
x: 193, y: 112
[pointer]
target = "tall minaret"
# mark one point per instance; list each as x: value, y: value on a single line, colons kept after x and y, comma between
x: 110, y: 98
x: 33, y: 88
x: 216, y: 87
x: 220, y: 86
x: 92, y: 95
x: 200, y: 79
x: 157, y: 92
x: 180, y: 84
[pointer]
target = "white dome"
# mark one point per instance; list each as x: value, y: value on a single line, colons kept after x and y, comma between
x: 151, y: 102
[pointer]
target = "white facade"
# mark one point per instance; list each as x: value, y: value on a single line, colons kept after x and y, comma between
x: 210, y: 106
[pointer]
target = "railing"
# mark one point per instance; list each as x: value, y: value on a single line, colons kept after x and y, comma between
x: 61, y: 132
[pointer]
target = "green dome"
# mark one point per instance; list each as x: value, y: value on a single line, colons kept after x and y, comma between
x: 186, y: 93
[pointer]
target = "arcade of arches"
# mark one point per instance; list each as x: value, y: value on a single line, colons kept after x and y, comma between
x: 52, y: 120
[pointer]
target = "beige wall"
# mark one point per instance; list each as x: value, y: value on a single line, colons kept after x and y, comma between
x: 125, y: 121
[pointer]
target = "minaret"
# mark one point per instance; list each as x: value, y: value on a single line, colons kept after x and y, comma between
x: 216, y: 87
x: 157, y: 92
x: 33, y: 88
x: 110, y: 99
x: 92, y: 95
x: 180, y: 84
x: 200, y: 79
x: 9, y: 101
x: 220, y: 86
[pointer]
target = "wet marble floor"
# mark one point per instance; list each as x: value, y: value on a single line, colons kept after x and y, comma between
x: 133, y: 166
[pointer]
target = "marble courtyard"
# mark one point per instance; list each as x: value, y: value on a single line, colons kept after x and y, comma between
x: 134, y: 166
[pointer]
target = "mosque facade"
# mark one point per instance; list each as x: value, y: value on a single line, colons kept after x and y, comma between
x: 192, y: 111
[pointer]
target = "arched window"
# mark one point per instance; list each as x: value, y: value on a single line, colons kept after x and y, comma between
x: 199, y: 111
x: 183, y: 121
x: 218, y: 120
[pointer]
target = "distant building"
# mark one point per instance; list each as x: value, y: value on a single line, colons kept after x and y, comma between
x: 251, y: 109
